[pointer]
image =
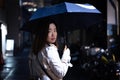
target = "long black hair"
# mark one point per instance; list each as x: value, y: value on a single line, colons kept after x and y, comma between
x: 41, y: 36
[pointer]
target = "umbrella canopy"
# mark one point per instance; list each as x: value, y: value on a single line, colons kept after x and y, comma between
x: 67, y: 16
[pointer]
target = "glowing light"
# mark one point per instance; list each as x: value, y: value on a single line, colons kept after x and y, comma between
x: 10, y: 44
x: 29, y: 4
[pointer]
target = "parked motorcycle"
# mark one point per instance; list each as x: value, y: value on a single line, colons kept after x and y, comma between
x: 100, y: 64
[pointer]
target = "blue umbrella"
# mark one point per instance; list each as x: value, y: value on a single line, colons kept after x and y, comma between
x: 67, y: 16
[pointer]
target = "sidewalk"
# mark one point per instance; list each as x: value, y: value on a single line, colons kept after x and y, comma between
x: 16, y: 68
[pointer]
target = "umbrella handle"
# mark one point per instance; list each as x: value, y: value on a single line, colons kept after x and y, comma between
x: 66, y: 39
x: 66, y: 43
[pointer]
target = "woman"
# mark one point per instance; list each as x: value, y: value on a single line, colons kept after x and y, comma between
x: 45, y: 53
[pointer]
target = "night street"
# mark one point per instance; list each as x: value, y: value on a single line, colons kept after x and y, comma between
x: 16, y: 68
x: 89, y: 28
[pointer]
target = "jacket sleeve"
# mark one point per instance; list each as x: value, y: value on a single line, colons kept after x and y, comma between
x: 57, y: 66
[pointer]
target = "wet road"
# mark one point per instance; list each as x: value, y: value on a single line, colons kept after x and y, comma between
x: 16, y: 68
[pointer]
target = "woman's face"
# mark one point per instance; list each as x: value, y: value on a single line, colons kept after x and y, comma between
x: 52, y: 33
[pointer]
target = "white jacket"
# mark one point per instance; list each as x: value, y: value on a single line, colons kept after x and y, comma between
x: 49, y: 58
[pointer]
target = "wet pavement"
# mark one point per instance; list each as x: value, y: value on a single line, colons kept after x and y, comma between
x: 16, y: 68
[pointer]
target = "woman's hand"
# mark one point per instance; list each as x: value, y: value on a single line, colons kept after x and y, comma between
x: 65, y: 47
x: 66, y: 56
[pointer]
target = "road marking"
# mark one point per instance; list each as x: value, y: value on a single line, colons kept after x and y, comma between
x: 10, y: 73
